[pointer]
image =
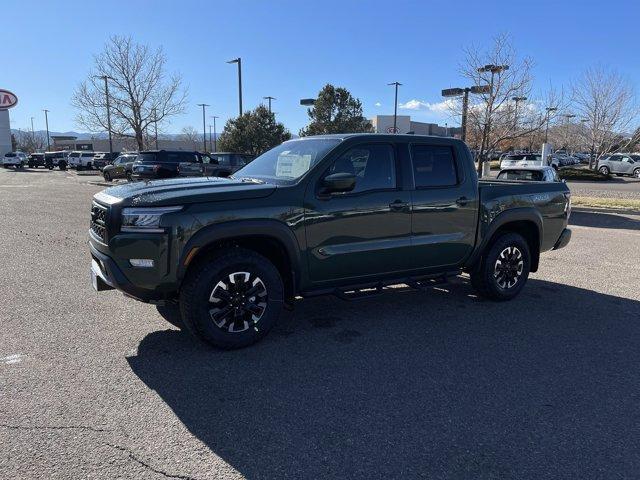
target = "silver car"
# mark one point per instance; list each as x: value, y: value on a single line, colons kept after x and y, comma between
x: 620, y: 164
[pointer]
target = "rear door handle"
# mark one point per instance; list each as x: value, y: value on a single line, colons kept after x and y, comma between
x: 462, y: 201
x: 398, y: 205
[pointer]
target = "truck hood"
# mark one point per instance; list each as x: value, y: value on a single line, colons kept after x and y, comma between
x: 179, y: 191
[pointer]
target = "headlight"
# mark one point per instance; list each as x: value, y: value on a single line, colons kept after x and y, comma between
x: 144, y: 219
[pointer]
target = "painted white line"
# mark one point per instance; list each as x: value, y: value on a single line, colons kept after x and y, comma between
x: 11, y: 359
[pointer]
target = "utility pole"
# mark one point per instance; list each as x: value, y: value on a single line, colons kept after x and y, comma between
x: 204, y: 126
x: 269, y: 99
x: 215, y: 140
x: 46, y: 122
x: 239, y: 62
x: 546, y: 130
x: 395, y: 107
x: 210, y: 140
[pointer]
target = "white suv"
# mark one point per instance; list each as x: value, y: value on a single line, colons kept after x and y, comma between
x: 15, y: 159
x: 81, y: 160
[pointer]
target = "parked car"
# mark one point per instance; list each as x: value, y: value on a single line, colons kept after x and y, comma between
x: 120, y: 168
x: 16, y: 160
x: 527, y: 160
x: 36, y: 160
x: 56, y: 159
x: 620, y: 164
x: 224, y: 164
x: 156, y: 164
x: 81, y: 160
x: 337, y: 214
x: 537, y: 174
x: 102, y: 159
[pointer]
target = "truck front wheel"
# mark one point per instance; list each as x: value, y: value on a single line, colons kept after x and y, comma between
x: 232, y: 299
x: 503, y: 269
x: 171, y: 313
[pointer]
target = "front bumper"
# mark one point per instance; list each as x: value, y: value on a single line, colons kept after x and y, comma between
x: 564, y: 239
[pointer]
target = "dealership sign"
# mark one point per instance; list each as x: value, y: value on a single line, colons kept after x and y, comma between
x: 7, y: 99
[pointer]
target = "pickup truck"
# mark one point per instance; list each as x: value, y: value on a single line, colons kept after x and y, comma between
x: 337, y: 214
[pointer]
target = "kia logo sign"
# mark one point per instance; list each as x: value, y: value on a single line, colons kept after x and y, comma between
x: 392, y: 130
x: 7, y: 99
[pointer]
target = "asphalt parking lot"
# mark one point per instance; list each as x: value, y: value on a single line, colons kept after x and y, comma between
x: 405, y: 385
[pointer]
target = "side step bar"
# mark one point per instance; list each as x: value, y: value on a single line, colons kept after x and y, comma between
x: 422, y: 284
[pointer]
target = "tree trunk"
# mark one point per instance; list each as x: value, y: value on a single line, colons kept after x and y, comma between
x: 139, y: 140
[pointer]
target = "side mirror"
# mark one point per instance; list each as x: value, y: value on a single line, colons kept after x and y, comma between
x: 339, y: 182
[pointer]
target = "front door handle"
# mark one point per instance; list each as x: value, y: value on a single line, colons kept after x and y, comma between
x: 398, y: 205
x: 462, y: 201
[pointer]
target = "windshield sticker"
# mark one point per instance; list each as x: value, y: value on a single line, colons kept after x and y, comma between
x: 291, y: 165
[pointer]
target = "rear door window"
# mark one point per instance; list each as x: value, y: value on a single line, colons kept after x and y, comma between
x: 433, y: 166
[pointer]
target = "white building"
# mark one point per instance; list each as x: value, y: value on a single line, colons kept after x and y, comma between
x: 404, y: 124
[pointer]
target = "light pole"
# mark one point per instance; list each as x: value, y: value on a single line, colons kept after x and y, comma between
x: 395, y: 106
x: 487, y: 126
x: 515, y: 113
x: 46, y: 123
x: 269, y: 100
x: 210, y: 141
x: 204, y: 126
x: 568, y: 117
x: 239, y: 62
x: 106, y: 94
x: 215, y: 140
x: 155, y: 126
x: 464, y: 92
x: 546, y: 130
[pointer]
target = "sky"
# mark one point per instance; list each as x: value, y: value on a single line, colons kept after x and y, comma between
x: 291, y: 49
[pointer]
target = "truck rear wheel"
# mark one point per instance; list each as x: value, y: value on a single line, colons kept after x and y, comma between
x: 504, y: 268
x: 232, y: 299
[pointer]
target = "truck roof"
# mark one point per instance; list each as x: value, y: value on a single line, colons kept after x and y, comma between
x: 382, y: 136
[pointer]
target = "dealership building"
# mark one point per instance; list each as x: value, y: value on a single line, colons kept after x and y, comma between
x: 404, y: 124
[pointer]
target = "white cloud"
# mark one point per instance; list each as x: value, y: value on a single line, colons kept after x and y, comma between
x: 378, y: 104
x: 439, y: 107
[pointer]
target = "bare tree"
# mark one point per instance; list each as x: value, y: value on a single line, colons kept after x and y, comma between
x: 29, y: 142
x: 606, y: 103
x: 139, y: 91
x: 494, y: 117
x: 190, y: 135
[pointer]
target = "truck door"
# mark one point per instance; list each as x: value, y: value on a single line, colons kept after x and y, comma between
x: 445, y: 206
x: 362, y: 232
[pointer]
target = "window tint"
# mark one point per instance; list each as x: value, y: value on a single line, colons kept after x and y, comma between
x: 535, y: 175
x: 515, y: 157
x: 433, y: 166
x: 373, y: 166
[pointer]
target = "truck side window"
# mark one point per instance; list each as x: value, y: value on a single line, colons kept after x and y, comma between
x: 373, y: 166
x: 433, y: 166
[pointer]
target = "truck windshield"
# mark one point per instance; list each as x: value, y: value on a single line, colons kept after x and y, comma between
x: 287, y: 162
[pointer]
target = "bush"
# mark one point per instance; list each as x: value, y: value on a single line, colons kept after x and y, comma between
x: 570, y: 173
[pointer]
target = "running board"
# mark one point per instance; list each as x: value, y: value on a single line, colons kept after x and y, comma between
x: 422, y: 284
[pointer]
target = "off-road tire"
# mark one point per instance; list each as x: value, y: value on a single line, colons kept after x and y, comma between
x: 201, y: 283
x: 171, y: 313
x: 483, y: 278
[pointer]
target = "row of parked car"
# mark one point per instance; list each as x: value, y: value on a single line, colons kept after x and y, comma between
x: 158, y: 164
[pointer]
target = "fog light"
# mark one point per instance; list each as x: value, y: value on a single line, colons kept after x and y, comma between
x: 141, y: 262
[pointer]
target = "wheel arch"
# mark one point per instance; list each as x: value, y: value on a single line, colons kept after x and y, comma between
x: 272, y: 239
x: 523, y: 221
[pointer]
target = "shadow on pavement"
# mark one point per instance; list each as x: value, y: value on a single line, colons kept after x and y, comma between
x: 415, y: 385
x: 605, y: 220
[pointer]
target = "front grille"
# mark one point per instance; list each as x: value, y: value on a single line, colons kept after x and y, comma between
x: 99, y: 220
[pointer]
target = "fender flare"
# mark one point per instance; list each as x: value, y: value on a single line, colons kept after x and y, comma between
x: 245, y: 228
x: 519, y: 214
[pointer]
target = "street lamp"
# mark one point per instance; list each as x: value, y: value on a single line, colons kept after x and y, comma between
x: 204, y: 126
x: 546, y: 130
x: 515, y: 113
x: 269, y: 99
x: 215, y: 140
x: 464, y: 92
x: 46, y: 122
x: 239, y: 62
x: 395, y: 106
x: 106, y: 94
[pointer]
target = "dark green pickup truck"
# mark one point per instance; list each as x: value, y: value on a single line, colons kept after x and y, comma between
x: 341, y: 214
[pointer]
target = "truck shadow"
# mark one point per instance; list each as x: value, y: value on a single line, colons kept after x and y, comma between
x: 434, y: 385
x: 625, y: 221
